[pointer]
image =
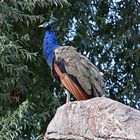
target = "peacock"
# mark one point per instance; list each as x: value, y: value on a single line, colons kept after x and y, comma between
x: 74, y: 71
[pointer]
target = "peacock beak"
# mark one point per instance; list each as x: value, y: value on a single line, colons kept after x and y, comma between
x: 44, y: 25
x: 40, y: 25
x: 51, y: 21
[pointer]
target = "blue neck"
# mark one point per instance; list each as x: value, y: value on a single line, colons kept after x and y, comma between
x: 49, y: 45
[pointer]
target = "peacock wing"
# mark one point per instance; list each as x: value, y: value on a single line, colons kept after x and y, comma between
x: 80, y: 70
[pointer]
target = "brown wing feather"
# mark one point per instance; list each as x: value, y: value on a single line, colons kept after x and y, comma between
x: 70, y: 85
x: 78, y: 66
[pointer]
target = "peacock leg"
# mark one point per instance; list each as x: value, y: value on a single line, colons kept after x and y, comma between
x: 68, y: 96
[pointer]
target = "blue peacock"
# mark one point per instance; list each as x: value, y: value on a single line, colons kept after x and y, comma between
x: 73, y: 70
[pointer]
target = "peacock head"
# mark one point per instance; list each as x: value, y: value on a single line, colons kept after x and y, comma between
x: 47, y: 25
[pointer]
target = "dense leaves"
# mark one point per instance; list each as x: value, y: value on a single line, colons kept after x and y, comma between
x: 107, y: 32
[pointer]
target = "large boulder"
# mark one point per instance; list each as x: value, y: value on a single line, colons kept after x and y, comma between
x: 95, y: 119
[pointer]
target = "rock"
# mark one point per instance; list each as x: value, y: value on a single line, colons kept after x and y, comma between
x: 99, y: 118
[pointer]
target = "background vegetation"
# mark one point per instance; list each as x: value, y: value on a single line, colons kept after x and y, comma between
x: 106, y: 31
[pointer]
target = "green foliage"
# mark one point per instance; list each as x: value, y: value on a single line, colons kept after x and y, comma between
x: 20, y: 67
x: 107, y: 32
x: 13, y: 124
x: 24, y: 119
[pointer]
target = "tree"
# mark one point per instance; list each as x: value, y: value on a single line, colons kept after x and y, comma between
x: 107, y: 32
x: 18, y: 64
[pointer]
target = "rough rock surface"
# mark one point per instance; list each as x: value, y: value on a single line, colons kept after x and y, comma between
x: 95, y: 119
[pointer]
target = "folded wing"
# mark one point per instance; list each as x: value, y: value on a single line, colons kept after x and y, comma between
x: 77, y: 74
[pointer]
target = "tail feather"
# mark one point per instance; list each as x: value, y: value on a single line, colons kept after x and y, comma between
x: 70, y: 85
